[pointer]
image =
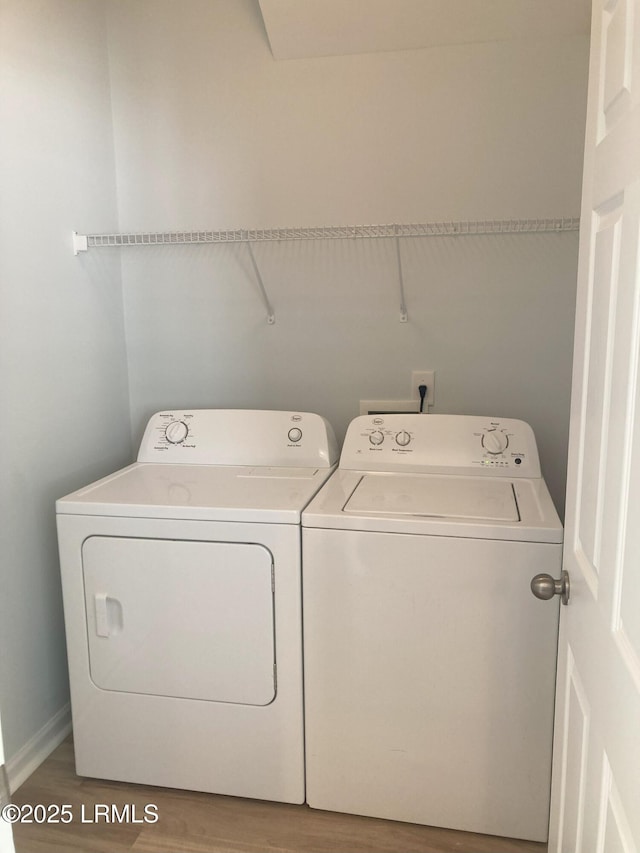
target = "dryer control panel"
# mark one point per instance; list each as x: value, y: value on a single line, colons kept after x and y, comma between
x: 239, y: 437
x: 445, y: 444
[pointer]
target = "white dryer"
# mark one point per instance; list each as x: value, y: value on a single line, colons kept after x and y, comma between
x: 181, y: 578
x: 429, y: 664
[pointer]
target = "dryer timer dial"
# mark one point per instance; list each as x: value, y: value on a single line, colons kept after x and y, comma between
x: 176, y: 432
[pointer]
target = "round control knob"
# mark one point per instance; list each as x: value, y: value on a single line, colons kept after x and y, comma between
x: 495, y: 442
x: 376, y: 437
x: 176, y: 432
x: 403, y: 438
x: 295, y: 434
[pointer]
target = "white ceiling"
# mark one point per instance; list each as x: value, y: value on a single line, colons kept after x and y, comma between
x: 304, y: 28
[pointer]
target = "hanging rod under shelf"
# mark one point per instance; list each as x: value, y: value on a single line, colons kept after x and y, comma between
x: 81, y: 242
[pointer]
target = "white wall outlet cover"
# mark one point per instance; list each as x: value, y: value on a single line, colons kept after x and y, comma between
x: 423, y: 377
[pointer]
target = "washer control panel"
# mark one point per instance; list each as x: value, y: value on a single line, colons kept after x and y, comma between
x: 239, y: 437
x: 455, y: 444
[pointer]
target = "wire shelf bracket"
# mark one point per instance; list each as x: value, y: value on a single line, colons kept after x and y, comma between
x: 403, y: 305
x: 271, y: 317
x: 80, y: 243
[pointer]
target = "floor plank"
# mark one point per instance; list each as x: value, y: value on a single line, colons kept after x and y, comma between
x: 191, y: 822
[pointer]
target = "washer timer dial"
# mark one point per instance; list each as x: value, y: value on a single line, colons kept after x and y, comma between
x: 176, y: 432
x: 495, y: 442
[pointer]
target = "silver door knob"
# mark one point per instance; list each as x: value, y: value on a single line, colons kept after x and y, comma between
x: 545, y: 587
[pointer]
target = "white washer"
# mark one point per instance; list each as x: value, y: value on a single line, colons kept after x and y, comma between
x: 429, y: 664
x: 181, y: 579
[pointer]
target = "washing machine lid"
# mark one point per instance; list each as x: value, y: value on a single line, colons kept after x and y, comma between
x: 436, y: 505
x: 462, y: 498
x: 269, y: 494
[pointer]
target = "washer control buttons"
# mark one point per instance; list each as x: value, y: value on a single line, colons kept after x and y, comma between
x: 295, y: 434
x: 376, y: 438
x: 403, y: 438
x: 176, y: 432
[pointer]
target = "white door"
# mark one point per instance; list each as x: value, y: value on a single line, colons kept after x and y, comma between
x: 596, y: 770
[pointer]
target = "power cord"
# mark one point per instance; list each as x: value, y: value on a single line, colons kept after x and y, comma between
x: 422, y: 390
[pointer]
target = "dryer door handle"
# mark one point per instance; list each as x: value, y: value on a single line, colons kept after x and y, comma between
x: 108, y: 612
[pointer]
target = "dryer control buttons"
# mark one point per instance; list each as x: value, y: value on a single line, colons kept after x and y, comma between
x: 403, y: 438
x: 294, y: 434
x: 176, y: 432
x: 495, y: 442
x: 376, y: 437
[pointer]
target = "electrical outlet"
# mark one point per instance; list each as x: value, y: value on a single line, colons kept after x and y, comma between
x: 424, y: 377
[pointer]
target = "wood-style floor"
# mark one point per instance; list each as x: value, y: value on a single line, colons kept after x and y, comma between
x: 206, y: 823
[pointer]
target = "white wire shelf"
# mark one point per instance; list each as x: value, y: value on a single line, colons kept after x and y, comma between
x: 84, y: 242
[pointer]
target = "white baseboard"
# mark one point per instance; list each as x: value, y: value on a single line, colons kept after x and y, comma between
x: 39, y: 747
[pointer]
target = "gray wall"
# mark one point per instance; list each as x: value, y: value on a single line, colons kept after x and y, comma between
x: 211, y: 132
x: 63, y: 378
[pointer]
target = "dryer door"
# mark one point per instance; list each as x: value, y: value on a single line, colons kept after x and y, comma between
x: 179, y: 618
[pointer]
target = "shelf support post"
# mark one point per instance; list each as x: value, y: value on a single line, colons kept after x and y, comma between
x: 403, y: 306
x: 271, y: 318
